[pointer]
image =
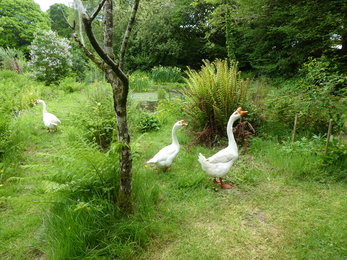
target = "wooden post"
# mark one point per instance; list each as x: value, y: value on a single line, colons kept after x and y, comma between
x: 328, y: 137
x: 294, y: 129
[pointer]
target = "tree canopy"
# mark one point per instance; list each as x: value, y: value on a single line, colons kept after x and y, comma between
x: 278, y: 36
x: 266, y: 36
x: 19, y: 19
x: 174, y: 33
x: 58, y: 23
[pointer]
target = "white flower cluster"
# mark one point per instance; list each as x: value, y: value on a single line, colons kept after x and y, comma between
x: 51, y: 57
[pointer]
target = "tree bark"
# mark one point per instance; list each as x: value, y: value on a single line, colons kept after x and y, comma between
x: 120, y: 87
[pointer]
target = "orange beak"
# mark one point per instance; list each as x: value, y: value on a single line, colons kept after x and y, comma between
x: 242, y: 113
x: 35, y: 102
x: 183, y: 124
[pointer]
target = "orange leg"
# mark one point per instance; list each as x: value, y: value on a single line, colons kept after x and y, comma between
x: 225, y: 186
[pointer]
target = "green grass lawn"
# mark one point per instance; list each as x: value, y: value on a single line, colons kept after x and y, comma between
x: 267, y: 215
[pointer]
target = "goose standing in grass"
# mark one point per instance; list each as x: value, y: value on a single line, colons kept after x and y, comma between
x: 218, y: 165
x: 50, y: 120
x: 164, y: 158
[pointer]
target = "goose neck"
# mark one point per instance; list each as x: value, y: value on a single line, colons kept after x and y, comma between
x: 174, y: 136
x: 231, y: 139
x: 44, y: 108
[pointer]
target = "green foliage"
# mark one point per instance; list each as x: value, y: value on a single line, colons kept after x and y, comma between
x: 148, y: 123
x: 84, y: 218
x: 58, y: 23
x: 324, y: 73
x: 316, y: 98
x: 15, y: 96
x: 212, y: 95
x: 51, y: 59
x: 329, y: 167
x: 176, y: 33
x: 16, y: 93
x: 139, y: 82
x: 278, y: 37
x: 12, y: 59
x: 161, y: 93
x: 160, y: 74
x: 96, y: 115
x: 20, y: 19
x: 80, y: 64
x: 168, y: 108
x: 335, y: 162
x: 70, y: 85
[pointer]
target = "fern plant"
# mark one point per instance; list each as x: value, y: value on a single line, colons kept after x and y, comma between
x: 212, y: 95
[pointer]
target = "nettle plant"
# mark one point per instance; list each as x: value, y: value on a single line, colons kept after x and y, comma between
x: 51, y: 57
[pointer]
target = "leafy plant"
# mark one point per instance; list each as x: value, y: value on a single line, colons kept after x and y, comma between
x: 139, y: 82
x: 169, y: 108
x: 329, y: 166
x: 96, y: 116
x: 70, y: 85
x: 161, y: 74
x: 335, y: 161
x: 314, y: 98
x: 51, y: 59
x: 322, y: 72
x: 148, y: 123
x: 212, y: 95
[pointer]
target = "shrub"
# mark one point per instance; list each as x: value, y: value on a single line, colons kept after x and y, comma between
x: 316, y: 98
x: 212, y: 95
x: 50, y: 57
x: 148, y: 123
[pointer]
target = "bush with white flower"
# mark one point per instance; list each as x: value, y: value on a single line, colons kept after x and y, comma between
x: 51, y: 57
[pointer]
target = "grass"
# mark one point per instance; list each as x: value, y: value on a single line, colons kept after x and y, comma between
x: 180, y: 214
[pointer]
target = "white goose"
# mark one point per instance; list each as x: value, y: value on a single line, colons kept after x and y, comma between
x: 164, y: 158
x: 50, y: 120
x: 218, y: 165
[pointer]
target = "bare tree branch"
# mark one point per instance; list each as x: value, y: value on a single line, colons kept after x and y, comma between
x: 127, y: 34
x: 97, y: 10
x: 67, y: 21
x: 108, y: 28
x: 93, y: 41
x: 98, y: 62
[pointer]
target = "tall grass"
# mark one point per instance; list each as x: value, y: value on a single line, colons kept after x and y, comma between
x: 274, y: 211
x: 212, y: 95
x: 85, y: 222
x: 12, y: 59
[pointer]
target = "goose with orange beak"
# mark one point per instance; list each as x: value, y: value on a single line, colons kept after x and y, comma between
x: 164, y: 158
x: 218, y: 165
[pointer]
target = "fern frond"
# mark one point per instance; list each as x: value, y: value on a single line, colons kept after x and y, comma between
x: 212, y: 94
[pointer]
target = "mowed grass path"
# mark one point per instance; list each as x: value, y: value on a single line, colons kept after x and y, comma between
x: 277, y: 218
x: 273, y: 220
x: 23, y: 200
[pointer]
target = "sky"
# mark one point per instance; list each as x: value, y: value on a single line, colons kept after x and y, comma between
x: 45, y: 4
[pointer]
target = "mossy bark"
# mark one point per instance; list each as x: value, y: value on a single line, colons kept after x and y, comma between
x: 120, y: 86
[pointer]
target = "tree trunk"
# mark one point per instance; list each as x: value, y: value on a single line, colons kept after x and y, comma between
x: 124, y: 195
x: 120, y: 87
